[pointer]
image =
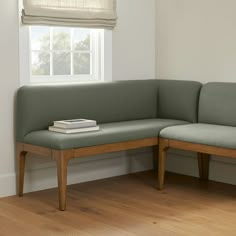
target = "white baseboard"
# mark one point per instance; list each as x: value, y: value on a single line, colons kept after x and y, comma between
x: 222, y: 169
x: 41, y: 173
x: 7, y: 185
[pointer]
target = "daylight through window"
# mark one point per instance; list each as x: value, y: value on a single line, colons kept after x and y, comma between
x: 60, y: 54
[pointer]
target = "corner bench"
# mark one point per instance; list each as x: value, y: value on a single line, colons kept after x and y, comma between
x: 215, y: 134
x: 131, y: 115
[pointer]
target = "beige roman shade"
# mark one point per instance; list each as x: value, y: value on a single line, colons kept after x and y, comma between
x: 74, y: 13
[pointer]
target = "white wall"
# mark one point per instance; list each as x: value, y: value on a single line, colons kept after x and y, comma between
x: 133, y: 58
x: 196, y: 41
x: 134, y: 40
x: 9, y: 80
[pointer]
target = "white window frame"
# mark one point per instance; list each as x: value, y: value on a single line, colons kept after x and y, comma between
x: 103, y: 68
x: 95, y: 61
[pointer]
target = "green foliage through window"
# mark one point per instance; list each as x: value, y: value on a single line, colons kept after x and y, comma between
x: 60, y: 51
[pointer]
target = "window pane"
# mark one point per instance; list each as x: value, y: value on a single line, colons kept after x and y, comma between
x: 81, y: 63
x: 61, y: 38
x: 81, y: 39
x: 61, y: 63
x: 40, y: 38
x: 63, y: 52
x: 40, y: 63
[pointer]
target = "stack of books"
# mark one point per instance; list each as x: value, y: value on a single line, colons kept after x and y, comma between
x: 74, y: 126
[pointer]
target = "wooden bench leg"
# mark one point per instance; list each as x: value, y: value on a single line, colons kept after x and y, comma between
x: 62, y: 164
x: 203, y: 165
x: 163, y: 147
x: 155, y: 157
x: 20, y: 157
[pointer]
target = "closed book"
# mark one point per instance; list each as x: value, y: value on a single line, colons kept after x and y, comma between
x: 71, y: 131
x: 74, y: 123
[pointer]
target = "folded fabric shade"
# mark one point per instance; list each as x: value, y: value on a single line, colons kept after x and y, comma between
x: 73, y: 13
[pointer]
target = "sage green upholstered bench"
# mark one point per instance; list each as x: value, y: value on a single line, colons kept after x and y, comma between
x: 130, y: 114
x: 214, y: 134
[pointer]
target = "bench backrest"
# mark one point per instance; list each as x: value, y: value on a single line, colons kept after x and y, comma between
x: 217, y: 104
x: 178, y: 99
x: 39, y: 106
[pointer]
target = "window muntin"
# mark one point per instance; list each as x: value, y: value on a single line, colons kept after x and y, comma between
x: 64, y: 54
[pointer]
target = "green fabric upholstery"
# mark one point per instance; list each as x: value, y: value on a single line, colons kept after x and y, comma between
x: 39, y: 106
x: 178, y: 99
x: 109, y: 133
x: 207, y: 134
x: 217, y: 104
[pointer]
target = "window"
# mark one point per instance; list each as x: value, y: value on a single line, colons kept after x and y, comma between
x: 64, y: 54
x: 59, y: 54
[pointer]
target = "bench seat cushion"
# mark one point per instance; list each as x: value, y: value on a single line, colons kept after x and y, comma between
x: 206, y: 134
x: 108, y: 133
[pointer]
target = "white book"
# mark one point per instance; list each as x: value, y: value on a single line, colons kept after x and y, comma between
x: 74, y: 123
x: 71, y: 131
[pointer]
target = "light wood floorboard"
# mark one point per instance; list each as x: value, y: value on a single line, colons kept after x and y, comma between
x: 127, y: 205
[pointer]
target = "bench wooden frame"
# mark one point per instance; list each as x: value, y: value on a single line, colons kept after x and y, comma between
x: 62, y: 157
x: 204, y: 152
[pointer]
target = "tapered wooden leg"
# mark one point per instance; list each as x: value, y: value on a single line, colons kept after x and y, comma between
x: 20, y: 157
x: 163, y: 147
x: 62, y: 164
x: 155, y: 157
x: 203, y: 165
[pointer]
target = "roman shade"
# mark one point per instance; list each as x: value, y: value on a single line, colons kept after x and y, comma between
x: 73, y: 13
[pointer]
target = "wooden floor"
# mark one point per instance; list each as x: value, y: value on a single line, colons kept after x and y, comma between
x: 127, y: 205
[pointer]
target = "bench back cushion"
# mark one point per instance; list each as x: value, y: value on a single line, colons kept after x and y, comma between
x: 178, y: 99
x: 38, y: 106
x: 217, y: 104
